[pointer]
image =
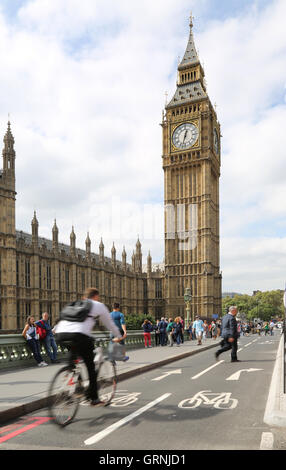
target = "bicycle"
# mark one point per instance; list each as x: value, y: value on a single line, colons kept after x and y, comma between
x: 68, y: 387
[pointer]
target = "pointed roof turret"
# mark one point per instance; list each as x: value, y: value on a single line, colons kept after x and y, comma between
x: 34, y: 220
x: 72, y: 235
x: 191, y: 56
x: 55, y: 228
x: 138, y: 245
x: 101, y: 252
x: 191, y: 85
x: 8, y: 138
x: 55, y: 234
x: 88, y: 241
x: 35, y: 226
x: 72, y: 242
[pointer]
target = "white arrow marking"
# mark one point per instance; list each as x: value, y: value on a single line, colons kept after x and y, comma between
x: 236, y: 375
x: 177, y: 371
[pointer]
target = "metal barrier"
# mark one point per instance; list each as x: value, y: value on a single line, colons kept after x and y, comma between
x: 14, y: 351
x: 284, y: 357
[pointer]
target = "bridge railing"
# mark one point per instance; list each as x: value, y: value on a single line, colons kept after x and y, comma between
x: 14, y: 351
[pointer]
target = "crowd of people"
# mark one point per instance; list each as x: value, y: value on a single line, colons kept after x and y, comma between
x: 169, y: 331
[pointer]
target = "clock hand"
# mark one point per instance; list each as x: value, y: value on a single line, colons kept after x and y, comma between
x: 186, y: 133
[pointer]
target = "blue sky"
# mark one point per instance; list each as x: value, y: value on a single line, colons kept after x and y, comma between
x: 85, y: 84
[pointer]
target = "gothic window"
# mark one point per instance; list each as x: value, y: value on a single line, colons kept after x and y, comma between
x: 82, y: 281
x: 67, y: 280
x: 27, y: 274
x: 18, y: 315
x: 49, y: 277
x: 158, y: 289
x: 27, y: 309
x: 60, y: 280
x: 145, y: 289
x: 40, y: 275
x: 17, y: 272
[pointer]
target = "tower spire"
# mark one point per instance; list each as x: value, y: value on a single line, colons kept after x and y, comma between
x: 9, y: 156
x: 191, y: 56
x: 191, y: 85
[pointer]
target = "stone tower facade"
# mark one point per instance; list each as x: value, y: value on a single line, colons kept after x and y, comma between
x: 7, y: 231
x: 191, y: 163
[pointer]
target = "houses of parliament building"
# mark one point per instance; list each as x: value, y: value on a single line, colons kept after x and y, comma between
x: 41, y: 275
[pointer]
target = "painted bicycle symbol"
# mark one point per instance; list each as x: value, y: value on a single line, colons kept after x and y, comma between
x: 124, y: 399
x: 221, y: 401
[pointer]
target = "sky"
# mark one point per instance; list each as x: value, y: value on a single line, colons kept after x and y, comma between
x: 85, y: 83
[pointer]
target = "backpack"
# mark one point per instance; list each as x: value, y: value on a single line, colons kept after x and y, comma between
x: 170, y: 327
x: 76, y: 311
x: 42, y: 332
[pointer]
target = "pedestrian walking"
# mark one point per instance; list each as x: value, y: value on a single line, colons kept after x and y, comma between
x: 157, y: 333
x: 178, y: 330
x: 182, y: 329
x: 170, y: 332
x: 271, y: 326
x: 258, y: 328
x: 214, y: 329
x: 266, y: 328
x: 190, y: 331
x: 147, y: 329
x: 199, y: 329
x: 206, y: 330
x: 229, y: 334
x: 119, y: 321
x: 48, y: 340
x: 162, y: 326
x: 30, y: 334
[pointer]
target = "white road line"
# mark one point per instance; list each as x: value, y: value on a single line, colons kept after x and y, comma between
x: 206, y: 370
x: 267, y: 441
x: 102, y: 434
x: 177, y: 371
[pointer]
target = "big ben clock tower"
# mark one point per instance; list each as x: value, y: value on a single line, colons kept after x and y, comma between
x: 191, y: 163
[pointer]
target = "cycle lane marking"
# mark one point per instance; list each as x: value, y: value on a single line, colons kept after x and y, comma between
x: 206, y: 370
x: 102, y: 434
x: 167, y: 374
x: 21, y: 430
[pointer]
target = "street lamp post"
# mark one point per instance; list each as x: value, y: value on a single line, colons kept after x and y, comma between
x: 187, y: 299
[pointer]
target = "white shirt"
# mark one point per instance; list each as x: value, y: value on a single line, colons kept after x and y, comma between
x: 99, y: 311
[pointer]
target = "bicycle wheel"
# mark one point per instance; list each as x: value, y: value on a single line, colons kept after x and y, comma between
x: 64, y: 396
x: 106, y: 381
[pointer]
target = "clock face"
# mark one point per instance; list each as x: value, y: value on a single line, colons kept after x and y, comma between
x: 216, y: 141
x: 185, y: 135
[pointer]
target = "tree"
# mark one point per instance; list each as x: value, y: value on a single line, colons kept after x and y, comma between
x: 263, y: 305
x: 134, y: 321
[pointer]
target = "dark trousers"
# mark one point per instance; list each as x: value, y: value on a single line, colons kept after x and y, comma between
x: 34, y: 345
x: 83, y: 346
x: 163, y: 338
x: 226, y: 346
x: 157, y: 339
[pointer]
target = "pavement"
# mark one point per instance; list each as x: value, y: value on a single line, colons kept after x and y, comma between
x: 25, y: 391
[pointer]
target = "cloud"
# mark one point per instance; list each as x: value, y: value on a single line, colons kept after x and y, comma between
x: 85, y: 84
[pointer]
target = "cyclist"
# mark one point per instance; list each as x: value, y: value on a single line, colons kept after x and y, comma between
x: 79, y: 334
